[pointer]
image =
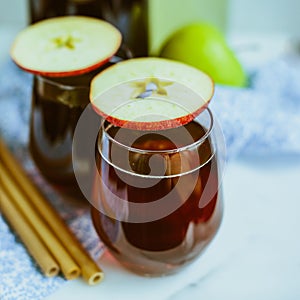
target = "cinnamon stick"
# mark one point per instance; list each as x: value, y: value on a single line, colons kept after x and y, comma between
x: 68, y: 266
x: 30, y: 239
x: 91, y: 272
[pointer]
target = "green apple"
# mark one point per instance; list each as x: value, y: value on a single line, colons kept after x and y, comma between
x: 204, y: 47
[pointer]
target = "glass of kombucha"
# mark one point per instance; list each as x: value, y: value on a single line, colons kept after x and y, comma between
x: 61, y: 84
x: 57, y: 103
x: 157, y: 199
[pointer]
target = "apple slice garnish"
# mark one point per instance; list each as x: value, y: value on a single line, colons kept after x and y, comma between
x: 65, y: 46
x: 150, y: 93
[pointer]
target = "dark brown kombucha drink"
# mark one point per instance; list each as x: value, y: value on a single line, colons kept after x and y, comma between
x: 165, y: 244
x: 57, y: 104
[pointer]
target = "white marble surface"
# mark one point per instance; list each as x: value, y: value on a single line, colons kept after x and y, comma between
x: 256, y: 254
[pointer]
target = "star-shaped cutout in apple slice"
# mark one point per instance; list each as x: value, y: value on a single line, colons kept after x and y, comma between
x: 150, y: 87
x: 68, y: 42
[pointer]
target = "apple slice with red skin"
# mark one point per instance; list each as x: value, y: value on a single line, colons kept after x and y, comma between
x: 150, y: 93
x: 65, y: 46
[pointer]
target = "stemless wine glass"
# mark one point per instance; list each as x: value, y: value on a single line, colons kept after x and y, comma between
x: 157, y: 197
x: 57, y: 103
x: 56, y: 106
x: 68, y: 53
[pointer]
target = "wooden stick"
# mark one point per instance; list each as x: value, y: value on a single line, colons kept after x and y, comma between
x: 33, y: 243
x: 68, y: 266
x: 91, y: 272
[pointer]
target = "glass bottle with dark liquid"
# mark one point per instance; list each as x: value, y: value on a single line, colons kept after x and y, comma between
x: 163, y: 240
x: 44, y: 9
x: 129, y: 16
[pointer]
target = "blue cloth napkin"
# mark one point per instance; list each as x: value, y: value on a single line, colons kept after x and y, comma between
x: 261, y: 119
